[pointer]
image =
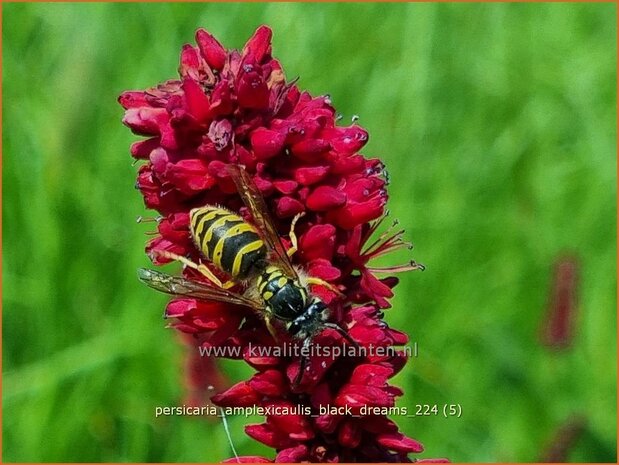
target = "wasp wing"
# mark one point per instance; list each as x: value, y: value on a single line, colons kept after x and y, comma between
x: 177, y: 285
x: 255, y: 203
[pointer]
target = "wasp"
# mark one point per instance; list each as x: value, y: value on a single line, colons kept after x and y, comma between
x: 253, y: 254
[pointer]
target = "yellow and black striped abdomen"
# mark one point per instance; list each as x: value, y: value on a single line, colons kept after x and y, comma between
x: 228, y: 241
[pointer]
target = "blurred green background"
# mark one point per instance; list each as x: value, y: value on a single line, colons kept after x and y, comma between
x: 498, y: 125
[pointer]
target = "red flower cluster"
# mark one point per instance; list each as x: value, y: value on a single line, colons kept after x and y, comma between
x: 232, y: 107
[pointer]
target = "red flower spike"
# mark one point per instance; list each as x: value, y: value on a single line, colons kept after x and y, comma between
x: 231, y: 107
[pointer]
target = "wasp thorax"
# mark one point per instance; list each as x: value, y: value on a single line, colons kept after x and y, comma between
x: 285, y: 296
x: 311, y: 321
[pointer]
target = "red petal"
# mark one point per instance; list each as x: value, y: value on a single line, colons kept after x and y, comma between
x: 356, y: 396
x: 310, y: 149
x: 259, y: 45
x: 239, y: 395
x: 261, y: 362
x: 264, y: 185
x: 310, y: 175
x: 196, y: 100
x: 399, y: 442
x: 190, y: 62
x: 175, y: 227
x: 221, y: 99
x: 190, y: 175
x: 180, y: 307
x: 325, y: 198
x: 252, y: 91
x: 185, y: 328
x: 296, y: 454
x: 246, y: 157
x: 266, y: 143
x: 379, y: 424
x: 349, y: 434
x: 269, y: 383
x: 347, y: 140
x: 353, y: 215
x: 327, y: 423
x: 323, y: 269
x: 285, y: 187
x: 162, y: 244
x: 371, y: 375
x: 147, y: 121
x: 321, y: 395
x: 347, y: 164
x: 318, y: 242
x: 265, y: 434
x: 295, y: 425
x: 287, y: 207
x: 212, y: 51
x: 376, y: 289
x: 143, y: 148
x: 133, y: 99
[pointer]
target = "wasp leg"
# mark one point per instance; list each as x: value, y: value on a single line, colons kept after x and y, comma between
x: 303, y: 365
x: 201, y: 268
x: 270, y: 327
x: 323, y: 283
x: 293, y: 237
x: 342, y: 333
